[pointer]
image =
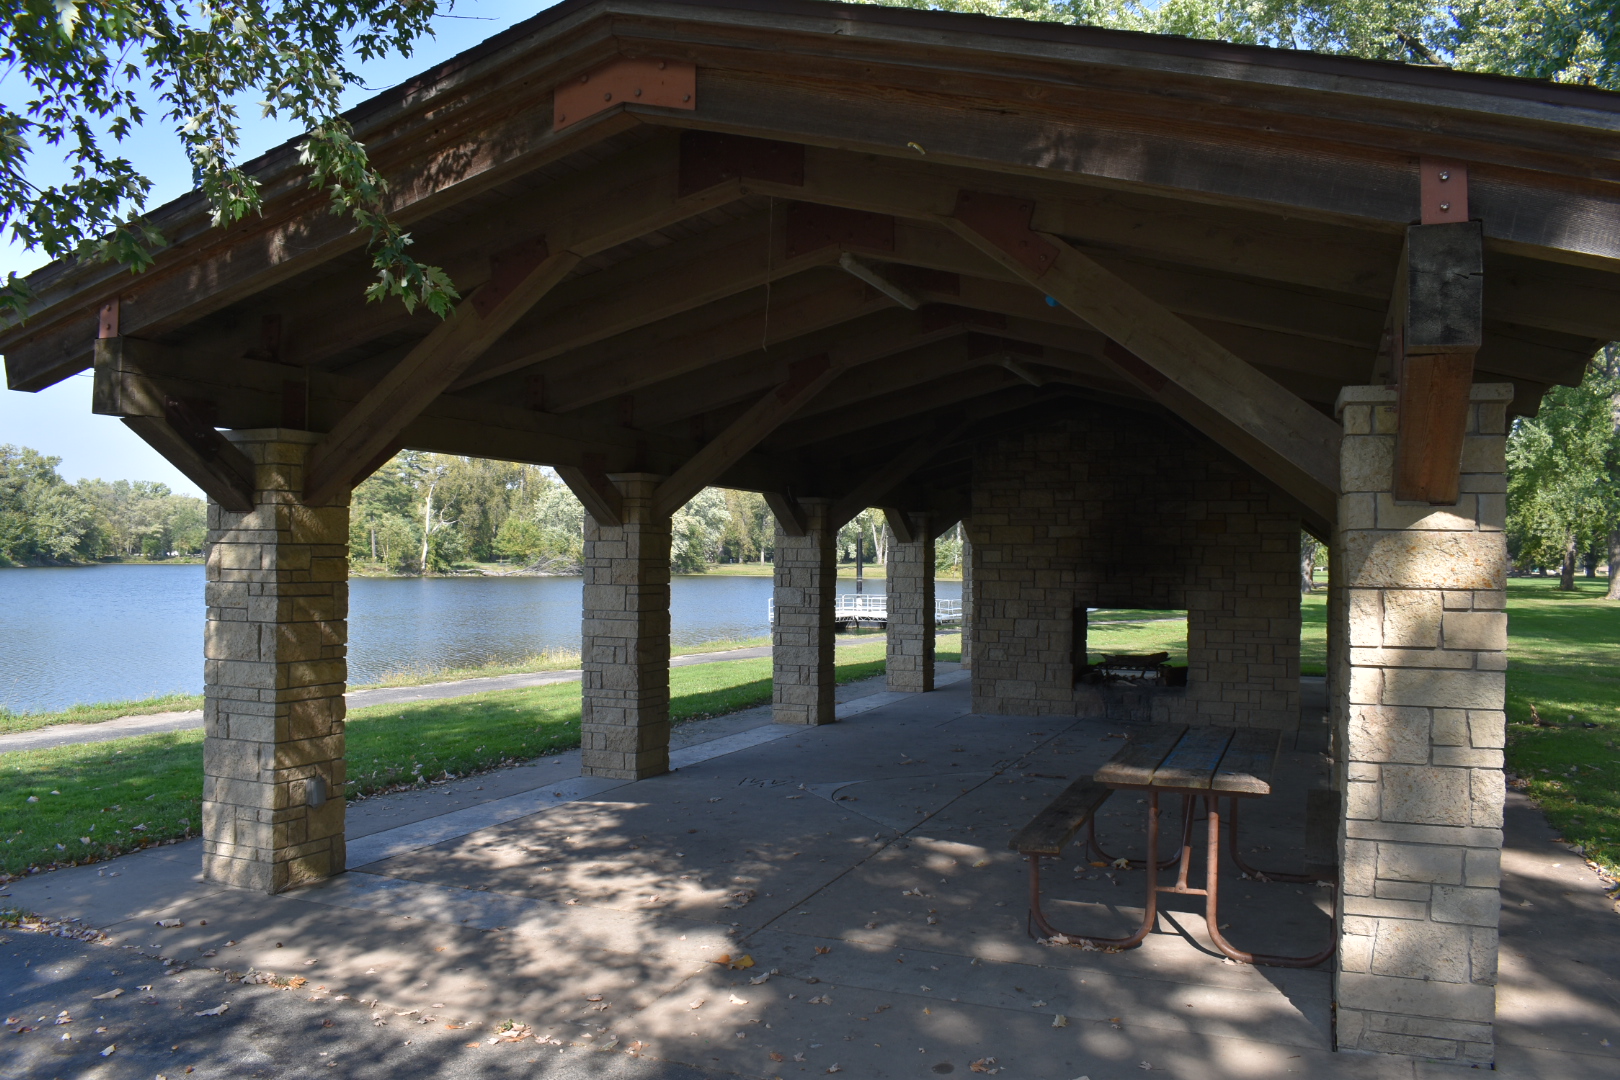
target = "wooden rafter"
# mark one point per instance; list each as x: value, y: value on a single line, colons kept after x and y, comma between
x: 426, y: 371
x: 1303, y: 443
x: 806, y: 378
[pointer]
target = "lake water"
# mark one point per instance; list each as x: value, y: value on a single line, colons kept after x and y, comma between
x: 115, y: 632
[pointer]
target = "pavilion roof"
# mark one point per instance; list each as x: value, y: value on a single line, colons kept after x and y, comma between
x: 673, y: 213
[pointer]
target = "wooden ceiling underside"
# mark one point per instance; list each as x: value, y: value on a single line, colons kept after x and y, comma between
x: 801, y: 213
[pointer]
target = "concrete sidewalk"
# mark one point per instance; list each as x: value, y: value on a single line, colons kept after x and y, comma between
x: 862, y: 869
x: 125, y: 727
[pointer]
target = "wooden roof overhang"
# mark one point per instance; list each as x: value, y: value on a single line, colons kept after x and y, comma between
x: 812, y: 249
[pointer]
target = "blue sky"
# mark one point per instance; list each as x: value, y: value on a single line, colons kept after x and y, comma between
x: 58, y: 421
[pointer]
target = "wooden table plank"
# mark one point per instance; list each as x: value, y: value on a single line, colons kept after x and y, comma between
x: 1249, y: 762
x: 1193, y: 762
x: 1136, y: 760
x: 1064, y: 816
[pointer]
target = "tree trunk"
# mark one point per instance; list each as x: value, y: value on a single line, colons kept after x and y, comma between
x: 427, y: 527
x: 1614, y: 565
x: 1307, y: 565
x: 1566, y: 578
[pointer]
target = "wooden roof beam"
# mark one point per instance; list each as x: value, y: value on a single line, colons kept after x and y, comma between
x: 801, y: 305
x: 252, y: 394
x: 351, y: 449
x: 806, y: 378
x: 1302, y: 444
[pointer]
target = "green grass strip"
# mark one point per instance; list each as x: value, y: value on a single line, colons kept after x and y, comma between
x: 1564, y: 659
x: 96, y: 800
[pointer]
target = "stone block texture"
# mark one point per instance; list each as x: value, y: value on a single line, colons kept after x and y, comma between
x: 1102, y: 510
x: 967, y: 599
x: 910, y: 569
x: 275, y: 666
x: 1418, y: 614
x: 624, y: 724
x: 802, y: 634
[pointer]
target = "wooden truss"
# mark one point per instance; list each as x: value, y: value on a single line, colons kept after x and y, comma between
x: 820, y: 250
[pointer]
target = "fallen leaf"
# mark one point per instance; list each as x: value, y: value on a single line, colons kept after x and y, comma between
x: 822, y: 950
x: 834, y: 1068
x: 1143, y: 1065
x: 169, y: 924
x: 735, y: 1000
x: 1060, y: 1020
x: 981, y: 864
x: 696, y: 1003
x: 1040, y: 1005
x: 1121, y: 864
x: 217, y: 1010
x: 759, y: 980
x: 588, y: 997
x: 108, y: 1052
x: 982, y: 1065
x: 1100, y: 865
x: 109, y: 995
x: 799, y: 1056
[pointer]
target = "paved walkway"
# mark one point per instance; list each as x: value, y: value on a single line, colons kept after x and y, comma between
x: 151, y: 723
x: 860, y: 868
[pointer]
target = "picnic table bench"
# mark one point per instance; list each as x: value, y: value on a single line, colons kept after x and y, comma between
x: 1201, y: 764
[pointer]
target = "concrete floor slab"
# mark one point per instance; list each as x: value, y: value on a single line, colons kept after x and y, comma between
x: 765, y: 911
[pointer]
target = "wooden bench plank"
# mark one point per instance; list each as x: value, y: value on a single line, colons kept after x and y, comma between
x: 1136, y: 760
x: 1064, y: 816
x: 1193, y: 762
x: 1249, y: 762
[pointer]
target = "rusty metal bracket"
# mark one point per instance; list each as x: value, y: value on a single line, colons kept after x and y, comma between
x: 1443, y: 188
x: 811, y: 227
x: 934, y: 317
x: 1134, y: 366
x: 624, y: 80
x: 507, y: 269
x: 982, y: 345
x: 709, y: 158
x: 107, y: 320
x: 801, y: 373
x: 1005, y: 222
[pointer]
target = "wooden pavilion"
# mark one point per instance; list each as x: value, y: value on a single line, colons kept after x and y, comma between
x: 1134, y: 309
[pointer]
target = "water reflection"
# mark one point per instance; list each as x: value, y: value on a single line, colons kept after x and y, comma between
x: 105, y: 633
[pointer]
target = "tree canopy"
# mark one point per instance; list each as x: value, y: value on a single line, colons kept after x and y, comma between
x: 45, y: 519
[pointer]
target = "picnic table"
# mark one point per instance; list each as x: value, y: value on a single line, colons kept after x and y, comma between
x: 1202, y: 765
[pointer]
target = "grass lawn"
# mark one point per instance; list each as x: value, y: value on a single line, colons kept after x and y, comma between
x: 103, y: 799
x: 1564, y: 659
x: 555, y: 660
x: 1120, y: 630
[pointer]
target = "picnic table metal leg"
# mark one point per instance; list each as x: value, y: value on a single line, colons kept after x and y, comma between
x: 1150, y: 911
x: 1263, y: 875
x: 1096, y: 848
x: 1212, y: 917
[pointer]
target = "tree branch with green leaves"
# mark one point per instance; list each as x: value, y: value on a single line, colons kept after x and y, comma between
x: 88, y: 66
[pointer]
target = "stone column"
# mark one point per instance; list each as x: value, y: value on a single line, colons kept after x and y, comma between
x: 910, y: 570
x: 624, y: 725
x: 275, y: 641
x: 967, y: 600
x: 802, y: 638
x: 1423, y: 665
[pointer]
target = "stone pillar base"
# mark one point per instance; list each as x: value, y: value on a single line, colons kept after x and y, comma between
x: 803, y: 675
x: 910, y: 661
x: 275, y: 643
x: 624, y: 726
x: 1422, y: 660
